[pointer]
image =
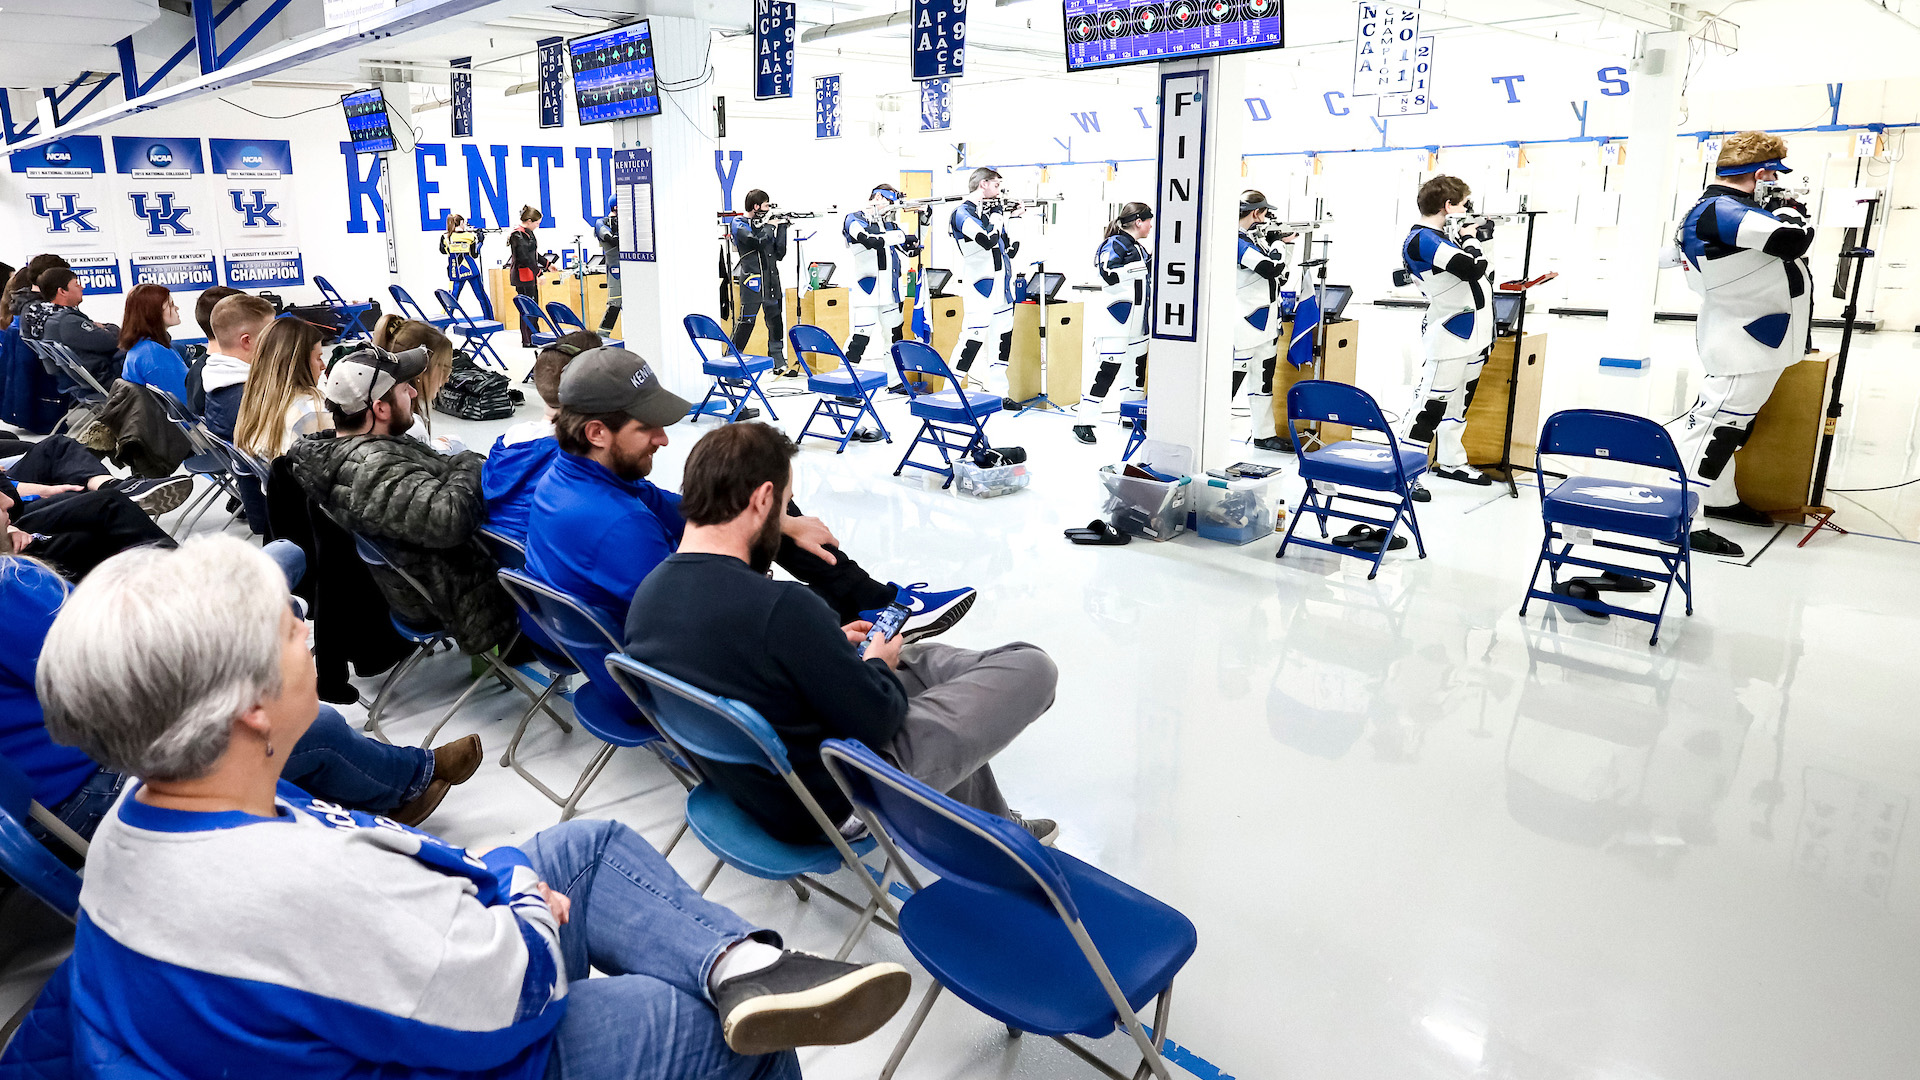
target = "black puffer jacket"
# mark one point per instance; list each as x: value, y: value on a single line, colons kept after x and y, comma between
x: 427, y: 509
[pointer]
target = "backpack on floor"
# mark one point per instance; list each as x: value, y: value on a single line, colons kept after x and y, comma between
x: 472, y: 394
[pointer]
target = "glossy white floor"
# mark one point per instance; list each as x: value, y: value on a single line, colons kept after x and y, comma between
x: 1420, y: 835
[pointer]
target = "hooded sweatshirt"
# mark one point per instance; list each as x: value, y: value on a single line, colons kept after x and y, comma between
x: 31, y: 594
x: 513, y: 469
x: 223, y: 379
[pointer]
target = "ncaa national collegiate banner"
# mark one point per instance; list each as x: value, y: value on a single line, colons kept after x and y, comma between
x: 939, y: 39
x: 68, y: 200
x: 166, y: 202
x: 256, y: 200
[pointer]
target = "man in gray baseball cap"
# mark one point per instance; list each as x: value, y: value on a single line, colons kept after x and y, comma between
x: 610, y: 380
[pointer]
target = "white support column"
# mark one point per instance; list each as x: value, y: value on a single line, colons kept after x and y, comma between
x: 686, y: 192
x: 1646, y: 199
x: 1191, y: 355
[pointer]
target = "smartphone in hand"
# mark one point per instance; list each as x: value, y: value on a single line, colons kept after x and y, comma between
x: 885, y: 626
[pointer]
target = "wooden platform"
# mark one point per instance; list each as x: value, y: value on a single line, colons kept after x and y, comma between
x: 1774, y: 471
x: 1487, y: 416
x: 1341, y: 365
x: 1059, y: 377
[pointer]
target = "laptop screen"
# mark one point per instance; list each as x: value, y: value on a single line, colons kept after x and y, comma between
x: 1335, y: 301
x: 1506, y: 310
x: 826, y: 272
x: 937, y: 280
x: 1050, y: 285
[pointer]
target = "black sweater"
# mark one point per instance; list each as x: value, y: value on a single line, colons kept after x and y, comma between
x: 714, y: 622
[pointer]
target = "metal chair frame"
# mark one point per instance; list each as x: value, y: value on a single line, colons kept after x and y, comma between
x: 1321, y: 504
x: 1138, y: 433
x: 348, y: 311
x: 410, y: 308
x: 474, y: 331
x: 845, y: 417
x: 1149, y: 1045
x: 531, y: 315
x: 736, y: 390
x: 939, y: 434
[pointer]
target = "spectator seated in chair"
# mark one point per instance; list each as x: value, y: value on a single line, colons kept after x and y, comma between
x: 424, y: 507
x: 95, y: 345
x: 522, y: 455
x: 597, y: 526
x: 709, y: 615
x: 146, y: 346
x: 71, y: 528
x: 23, y: 295
x: 234, y: 925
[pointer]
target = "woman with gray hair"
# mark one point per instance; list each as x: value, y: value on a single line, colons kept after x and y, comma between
x: 234, y: 925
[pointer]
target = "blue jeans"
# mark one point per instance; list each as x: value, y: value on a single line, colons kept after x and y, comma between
x: 634, y: 919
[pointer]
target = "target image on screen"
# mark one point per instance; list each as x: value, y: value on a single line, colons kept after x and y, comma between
x: 613, y: 76
x: 1113, y: 33
x: 367, y: 123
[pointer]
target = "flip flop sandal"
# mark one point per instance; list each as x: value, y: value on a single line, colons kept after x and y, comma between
x: 1623, y: 582
x: 1371, y: 545
x: 1084, y: 432
x: 1580, y: 589
x: 1355, y: 536
x: 1098, y: 534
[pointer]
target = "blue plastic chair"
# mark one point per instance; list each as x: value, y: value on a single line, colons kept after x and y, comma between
x: 736, y: 376
x: 717, y: 729
x: 410, y: 308
x: 952, y: 422
x: 348, y: 313
x: 566, y: 322
x: 1034, y: 938
x: 1137, y: 412
x: 533, y: 319
x: 835, y: 387
x: 74, y: 380
x: 1349, y: 466
x: 475, y: 331
x: 24, y: 858
x: 1660, y: 513
x: 600, y: 704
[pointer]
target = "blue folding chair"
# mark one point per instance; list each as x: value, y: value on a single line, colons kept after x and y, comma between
x: 23, y: 857
x: 736, y: 376
x: 74, y: 380
x: 1580, y: 506
x: 474, y: 331
x: 404, y: 302
x: 1033, y: 937
x: 600, y: 704
x: 1352, y: 465
x: 349, y: 313
x: 717, y: 729
x: 846, y: 392
x: 533, y: 319
x: 951, y: 421
x: 1137, y: 412
x: 566, y: 322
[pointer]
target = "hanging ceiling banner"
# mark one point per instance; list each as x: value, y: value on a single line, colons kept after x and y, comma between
x: 460, y: 87
x: 936, y: 105
x: 773, y: 30
x: 939, y: 39
x: 70, y: 206
x: 1386, y: 44
x: 175, y: 228
x: 826, y: 107
x: 553, y: 77
x: 260, y: 241
x: 1418, y: 100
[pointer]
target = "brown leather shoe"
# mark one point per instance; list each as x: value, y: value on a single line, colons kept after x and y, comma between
x: 421, y: 807
x: 456, y: 761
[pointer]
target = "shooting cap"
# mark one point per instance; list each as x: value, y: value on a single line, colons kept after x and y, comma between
x: 885, y: 191
x: 980, y: 176
x: 357, y: 379
x: 608, y: 380
x: 1251, y: 200
x: 1750, y: 151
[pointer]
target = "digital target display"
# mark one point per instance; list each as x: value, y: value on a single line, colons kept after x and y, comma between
x: 1111, y: 33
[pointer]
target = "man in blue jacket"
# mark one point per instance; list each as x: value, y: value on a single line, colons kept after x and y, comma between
x: 597, y: 526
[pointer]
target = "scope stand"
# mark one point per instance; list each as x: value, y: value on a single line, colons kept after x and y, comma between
x: 1504, y: 469
x: 1312, y: 440
x: 1859, y: 253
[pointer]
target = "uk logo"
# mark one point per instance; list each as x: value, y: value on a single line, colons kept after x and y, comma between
x: 258, y: 212
x: 67, y: 215
x: 163, y: 218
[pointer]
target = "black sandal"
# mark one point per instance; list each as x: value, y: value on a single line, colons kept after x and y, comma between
x: 1581, y: 589
x: 1098, y: 534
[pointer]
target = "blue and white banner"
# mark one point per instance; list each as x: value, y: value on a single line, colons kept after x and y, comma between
x: 181, y: 271
x: 252, y: 159
x: 939, y: 39
x: 1179, y: 194
x: 633, y: 192
x: 936, y: 105
x: 553, y: 80
x: 826, y: 107
x: 99, y: 271
x: 460, y: 89
x: 267, y: 268
x: 75, y: 155
x: 136, y: 156
x: 774, y: 27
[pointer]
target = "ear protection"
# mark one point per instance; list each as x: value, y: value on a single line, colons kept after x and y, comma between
x: 1137, y: 215
x: 890, y: 196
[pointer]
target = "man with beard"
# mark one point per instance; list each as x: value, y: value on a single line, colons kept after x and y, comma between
x: 710, y: 615
x: 597, y: 526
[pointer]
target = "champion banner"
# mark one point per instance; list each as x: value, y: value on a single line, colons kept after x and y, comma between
x: 257, y: 213
x: 553, y: 77
x: 173, y: 229
x: 773, y: 32
x: 939, y: 39
x: 65, y: 187
x: 826, y: 107
x: 460, y: 89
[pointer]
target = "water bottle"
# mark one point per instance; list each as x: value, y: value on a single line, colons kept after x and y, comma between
x: 813, y: 276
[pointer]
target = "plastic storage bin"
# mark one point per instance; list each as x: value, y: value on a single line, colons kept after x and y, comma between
x: 971, y: 479
x: 1237, y: 511
x: 1154, y: 509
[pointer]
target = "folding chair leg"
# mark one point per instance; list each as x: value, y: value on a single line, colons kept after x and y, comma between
x: 913, y: 1028
x: 799, y: 890
x: 708, y: 883
x: 426, y: 741
x: 675, y: 842
x: 385, y: 693
x: 204, y: 495
x: 1154, y: 1065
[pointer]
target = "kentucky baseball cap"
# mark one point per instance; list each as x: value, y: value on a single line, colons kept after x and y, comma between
x: 357, y: 379
x: 609, y: 380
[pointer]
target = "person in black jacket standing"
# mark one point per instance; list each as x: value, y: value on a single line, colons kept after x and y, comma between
x: 523, y: 260
x: 761, y: 239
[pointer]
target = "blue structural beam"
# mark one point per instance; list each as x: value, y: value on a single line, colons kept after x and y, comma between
x: 6, y: 119
x: 130, y: 76
x: 206, y: 20
x: 59, y: 97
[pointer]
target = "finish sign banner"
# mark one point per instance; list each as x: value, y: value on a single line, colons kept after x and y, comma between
x: 939, y: 39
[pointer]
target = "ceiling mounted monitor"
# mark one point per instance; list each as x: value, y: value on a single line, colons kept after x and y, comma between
x: 613, y: 76
x: 1114, y: 33
x: 367, y: 123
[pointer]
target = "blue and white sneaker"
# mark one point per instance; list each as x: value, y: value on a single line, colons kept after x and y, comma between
x: 932, y: 612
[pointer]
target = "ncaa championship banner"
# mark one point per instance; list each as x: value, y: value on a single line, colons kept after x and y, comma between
x: 254, y: 190
x: 69, y: 201
x: 172, y: 229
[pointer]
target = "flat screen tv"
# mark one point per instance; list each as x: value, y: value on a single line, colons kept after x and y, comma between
x: 1114, y: 33
x: 367, y: 123
x: 613, y: 76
